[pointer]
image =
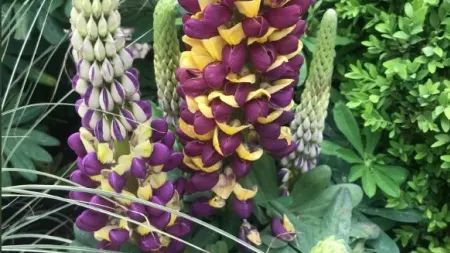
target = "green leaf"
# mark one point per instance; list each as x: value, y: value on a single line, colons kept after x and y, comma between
x: 383, y: 244
x: 396, y: 173
x: 156, y: 110
x: 6, y: 179
x: 130, y: 248
x: 318, y: 204
x: 346, y: 123
x: 23, y: 21
x: 310, y: 184
x: 230, y: 223
x: 36, y: 136
x: 337, y: 219
x: 272, y: 242
x: 20, y: 160
x: 386, y: 184
x: 303, y: 73
x: 202, y: 237
x: 372, y: 139
x: 348, y: 155
x: 219, y: 247
x: 81, y: 247
x: 33, y: 151
x: 263, y: 174
x: 308, y: 232
x: 34, y: 73
x: 356, y: 171
x: 404, y: 215
x: 309, y: 42
x: 83, y: 237
x: 368, y: 183
x: 364, y: 229
x: 52, y: 31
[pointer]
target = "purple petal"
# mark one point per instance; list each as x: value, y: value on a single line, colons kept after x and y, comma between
x: 102, y: 203
x: 283, y: 17
x: 243, y: 209
x: 202, y: 124
x: 180, y: 185
x: 160, y: 154
x: 116, y: 181
x: 229, y: 143
x: 296, y: 62
x: 74, y: 142
x: 154, y: 211
x: 234, y: 57
x: 221, y: 111
x: 198, y: 29
x: 149, y: 242
x: 282, y: 98
x: 194, y: 148
x: 127, y: 119
x: 91, y: 221
x: 118, y: 131
x: 256, y: 108
x: 214, y: 74
x: 168, y: 140
x: 165, y: 192
x: 91, y: 165
x: 202, y: 181
x: 286, y: 45
x: 262, y: 55
x: 82, y: 179
x: 160, y: 128
x: 279, y: 231
x: 216, y: 14
x: 137, y: 212
x: 174, y: 160
x: 255, y: 27
x: 191, y: 6
x: 180, y: 228
x: 142, y: 110
x: 138, y: 168
x: 201, y: 208
x: 160, y: 221
x: 210, y: 156
x: 270, y: 130
x: 119, y: 236
x: 240, y: 167
x: 80, y: 196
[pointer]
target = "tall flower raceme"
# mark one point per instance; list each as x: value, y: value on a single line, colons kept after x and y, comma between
x: 310, y: 115
x: 167, y: 54
x: 237, y: 82
x: 120, y: 148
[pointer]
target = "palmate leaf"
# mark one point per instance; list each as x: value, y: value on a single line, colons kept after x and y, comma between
x: 330, y: 148
x: 337, y: 219
x: 310, y: 185
x: 19, y: 160
x: 386, y: 184
x: 372, y: 139
x: 346, y: 123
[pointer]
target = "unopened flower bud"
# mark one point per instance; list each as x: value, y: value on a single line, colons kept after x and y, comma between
x: 92, y: 29
x: 91, y: 97
x: 107, y: 71
x: 117, y: 92
x: 110, y: 46
x: 99, y: 50
x: 102, y: 26
x: 95, y: 75
x: 127, y: 58
x: 106, y: 6
x: 106, y: 100
x: 76, y: 40
x: 81, y: 24
x: 87, y: 50
x: 103, y: 130
x: 113, y: 21
x: 118, y: 66
x: 96, y: 8
x: 118, y: 130
x: 79, y: 85
x: 86, y: 8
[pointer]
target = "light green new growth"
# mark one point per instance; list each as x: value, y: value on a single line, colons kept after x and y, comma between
x: 310, y: 115
x: 167, y: 54
x: 330, y: 245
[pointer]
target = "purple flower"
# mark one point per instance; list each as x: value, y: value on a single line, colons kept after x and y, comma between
x: 234, y: 57
x: 116, y: 181
x: 191, y: 6
x: 262, y: 55
x: 256, y: 108
x: 119, y: 236
x: 91, y: 221
x: 199, y: 29
x: 255, y: 27
x: 160, y: 221
x: 214, y: 74
x: 180, y: 228
x: 81, y: 178
x: 243, y: 209
x: 282, y: 229
x: 138, y: 168
x: 165, y: 192
x: 91, y: 165
x: 201, y: 208
x: 149, y: 242
x: 286, y: 45
x: 202, y: 181
x: 283, y: 17
x: 160, y: 155
x: 137, y: 212
x: 216, y: 14
x: 76, y: 145
x: 240, y: 167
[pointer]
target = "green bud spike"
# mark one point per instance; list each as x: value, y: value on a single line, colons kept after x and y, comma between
x: 167, y: 54
x: 310, y: 115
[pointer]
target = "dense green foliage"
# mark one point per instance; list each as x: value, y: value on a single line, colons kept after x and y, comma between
x: 393, y: 72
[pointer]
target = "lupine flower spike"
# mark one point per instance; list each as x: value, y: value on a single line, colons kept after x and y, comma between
x: 120, y: 148
x: 310, y: 115
x: 167, y: 54
x: 236, y: 81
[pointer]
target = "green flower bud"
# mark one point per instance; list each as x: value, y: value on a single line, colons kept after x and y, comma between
x: 330, y: 245
x: 127, y: 58
x: 102, y: 26
x: 76, y: 40
x: 95, y: 75
x: 119, y: 40
x: 73, y: 15
x: 110, y: 46
x: 107, y: 71
x: 106, y: 6
x: 119, y: 68
x: 96, y: 8
x: 113, y: 21
x: 87, y: 50
x: 84, y: 68
x: 99, y: 50
x: 77, y: 4
x: 76, y: 55
x: 86, y: 7
x: 81, y: 24
x: 92, y: 29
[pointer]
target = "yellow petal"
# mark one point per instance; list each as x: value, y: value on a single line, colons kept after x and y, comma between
x: 145, y: 192
x: 189, y: 131
x: 124, y: 201
x: 244, y: 194
x: 225, y: 185
x: 105, y: 186
x: 87, y: 139
x: 120, y: 169
x: 232, y: 77
x: 187, y: 60
x: 145, y: 228
x: 144, y: 149
x: 124, y: 224
x: 190, y: 41
x: 271, y: 117
x: 97, y: 178
x: 214, y: 46
x: 206, y: 110
x: 217, y: 202
x: 143, y: 132
x: 257, y: 94
x: 285, y: 133
x: 104, y: 154
x: 248, y: 8
x: 280, y: 60
x: 262, y: 39
x: 158, y: 179
x: 158, y: 168
x: 288, y: 225
x: 254, y: 237
x: 201, y: 57
x: 233, y: 35
x: 276, y: 5
x: 227, y: 99
x: 245, y: 154
x: 103, y: 233
x: 278, y: 85
x: 191, y: 104
x: 299, y: 49
x: 165, y: 240
x: 204, y: 3
x: 279, y: 34
x: 188, y: 161
x: 173, y: 218
x: 230, y: 130
x: 216, y: 144
x: 175, y: 202
x: 126, y: 159
x: 198, y: 162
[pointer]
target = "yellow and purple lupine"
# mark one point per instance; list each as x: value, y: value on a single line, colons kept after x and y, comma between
x: 119, y: 147
x: 237, y: 81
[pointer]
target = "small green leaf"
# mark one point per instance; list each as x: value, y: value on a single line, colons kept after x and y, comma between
x: 364, y: 230
x: 337, y: 219
x: 356, y: 171
x: 33, y: 151
x: 368, y: 183
x: 85, y: 238
x: 24, y: 20
x: 348, y: 155
x: 346, y: 123
x: 6, y: 179
x: 386, y: 184
x: 20, y: 161
x: 219, y: 247
x: 310, y: 184
x: 372, y: 139
x: 396, y: 173
x: 405, y: 215
x: 35, y: 136
x: 272, y: 242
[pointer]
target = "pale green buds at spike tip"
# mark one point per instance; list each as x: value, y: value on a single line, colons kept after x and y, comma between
x: 330, y: 245
x: 310, y: 115
x: 167, y: 53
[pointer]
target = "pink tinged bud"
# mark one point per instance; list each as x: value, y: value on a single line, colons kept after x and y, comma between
x: 160, y: 128
x: 106, y: 100
x: 194, y: 148
x: 180, y: 185
x: 160, y: 154
x: 296, y: 62
x: 102, y: 130
x: 83, y: 69
x: 76, y: 145
x: 243, y: 209
x: 138, y: 168
x: 168, y: 140
x: 216, y: 14
x: 149, y: 242
x: 142, y: 110
x: 127, y: 57
x: 234, y: 57
x: 161, y: 221
x: 116, y: 181
x: 174, y: 160
x: 221, y: 111
x: 256, y: 108
x: 91, y: 97
x: 118, y: 131
x: 127, y: 119
x: 181, y: 228
x: 80, y: 178
x: 300, y: 28
x: 130, y: 84
x: 80, y: 196
x: 199, y: 29
x: 282, y: 98
x: 79, y: 85
x: 279, y: 231
x: 240, y: 167
x: 107, y: 71
x: 191, y: 6
x: 210, y: 156
x: 137, y: 212
x: 255, y: 27
x: 214, y: 74
x: 119, y: 236
x: 91, y: 165
x: 90, y: 119
x: 286, y: 45
x: 91, y: 221
x: 152, y: 210
x: 262, y: 55
x: 202, y: 124
x: 117, y: 92
x: 201, y: 208
x: 229, y: 143
x: 283, y: 17
x: 202, y: 181
x: 194, y: 87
